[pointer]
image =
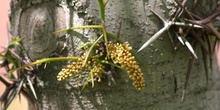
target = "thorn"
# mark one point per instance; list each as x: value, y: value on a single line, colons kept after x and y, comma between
x: 183, y: 95
x: 31, y: 86
x: 154, y: 37
x: 180, y: 39
x: 191, y: 49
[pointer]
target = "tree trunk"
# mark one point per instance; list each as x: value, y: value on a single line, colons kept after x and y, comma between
x: 164, y: 69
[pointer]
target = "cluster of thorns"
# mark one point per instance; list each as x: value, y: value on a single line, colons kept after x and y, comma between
x: 202, y: 30
x: 20, y: 81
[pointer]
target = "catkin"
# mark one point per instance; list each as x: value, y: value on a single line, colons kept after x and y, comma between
x: 120, y: 54
x: 71, y: 70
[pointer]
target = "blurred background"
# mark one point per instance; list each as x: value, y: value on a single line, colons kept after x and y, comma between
x: 17, y: 104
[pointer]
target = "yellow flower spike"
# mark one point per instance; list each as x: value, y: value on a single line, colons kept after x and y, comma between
x: 120, y: 53
x: 71, y: 70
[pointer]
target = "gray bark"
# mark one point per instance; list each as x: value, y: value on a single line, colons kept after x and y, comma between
x: 37, y: 19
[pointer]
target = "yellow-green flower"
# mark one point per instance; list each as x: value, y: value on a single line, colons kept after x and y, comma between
x: 120, y: 53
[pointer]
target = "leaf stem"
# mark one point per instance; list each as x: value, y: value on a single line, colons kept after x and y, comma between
x: 102, y: 9
x: 90, y: 50
x: 44, y: 60
x: 105, y: 36
x: 78, y: 27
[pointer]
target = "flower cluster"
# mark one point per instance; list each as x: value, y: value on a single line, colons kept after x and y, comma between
x: 120, y: 54
x: 98, y: 70
x: 71, y: 69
